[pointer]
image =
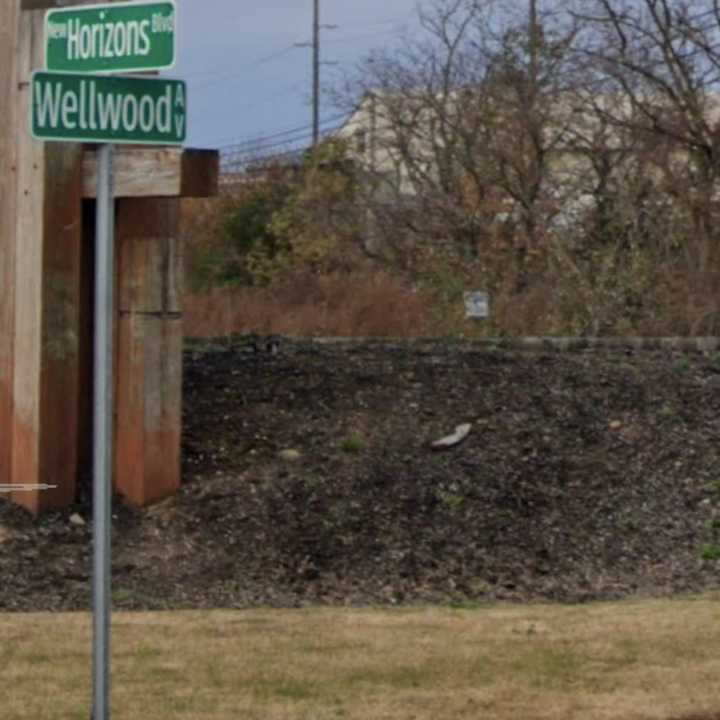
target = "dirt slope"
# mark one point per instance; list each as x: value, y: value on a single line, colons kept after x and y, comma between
x: 309, y: 478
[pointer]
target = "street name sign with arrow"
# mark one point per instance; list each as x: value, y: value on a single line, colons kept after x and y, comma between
x: 97, y: 108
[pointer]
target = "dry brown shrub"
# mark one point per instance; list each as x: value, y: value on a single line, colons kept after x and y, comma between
x: 680, y: 303
x: 527, y: 313
x: 688, y: 303
x: 197, y: 219
x: 650, y: 293
x: 374, y: 304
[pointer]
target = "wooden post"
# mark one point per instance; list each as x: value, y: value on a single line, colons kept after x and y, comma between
x: 148, y: 360
x: 9, y: 27
x: 46, y: 307
x: 149, y: 350
x: 46, y: 242
x: 148, y: 386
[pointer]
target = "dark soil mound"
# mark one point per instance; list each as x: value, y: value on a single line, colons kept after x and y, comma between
x: 310, y: 478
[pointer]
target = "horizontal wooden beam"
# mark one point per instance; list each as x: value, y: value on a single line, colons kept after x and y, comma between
x: 47, y: 4
x: 156, y: 172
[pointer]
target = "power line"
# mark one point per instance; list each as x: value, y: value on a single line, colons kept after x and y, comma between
x: 248, y: 150
x: 217, y: 77
x: 353, y: 38
x: 218, y: 72
x: 240, y: 162
x: 260, y: 139
x: 251, y: 149
x: 223, y: 77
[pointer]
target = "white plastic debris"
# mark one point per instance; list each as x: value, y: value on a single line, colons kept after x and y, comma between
x: 461, y: 432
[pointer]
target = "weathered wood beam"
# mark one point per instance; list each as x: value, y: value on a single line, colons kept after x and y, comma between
x: 9, y: 26
x: 200, y: 173
x: 149, y: 350
x: 46, y: 307
x: 46, y: 248
x: 47, y: 4
x: 156, y: 172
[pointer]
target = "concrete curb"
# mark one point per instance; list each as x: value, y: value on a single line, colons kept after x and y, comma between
x: 535, y: 344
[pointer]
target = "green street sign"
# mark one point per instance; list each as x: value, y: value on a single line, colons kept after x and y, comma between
x: 97, y: 108
x: 122, y: 37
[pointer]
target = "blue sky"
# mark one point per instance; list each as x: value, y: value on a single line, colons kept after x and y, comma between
x: 245, y: 78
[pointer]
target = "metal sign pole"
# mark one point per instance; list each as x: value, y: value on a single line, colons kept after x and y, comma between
x: 102, y: 437
x: 64, y: 109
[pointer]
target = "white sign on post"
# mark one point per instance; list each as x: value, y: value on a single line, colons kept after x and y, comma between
x: 477, y: 305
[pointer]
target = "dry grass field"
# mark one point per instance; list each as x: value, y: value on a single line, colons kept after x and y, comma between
x: 634, y: 660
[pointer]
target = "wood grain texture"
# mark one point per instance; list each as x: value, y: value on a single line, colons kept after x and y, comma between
x: 9, y: 29
x: 47, y: 269
x: 156, y: 172
x: 28, y: 287
x: 47, y: 4
x: 46, y: 290
x: 148, y: 387
x: 149, y: 257
x: 200, y: 173
x: 149, y: 407
x: 137, y: 172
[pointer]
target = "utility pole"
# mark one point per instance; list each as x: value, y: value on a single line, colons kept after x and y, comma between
x: 316, y: 72
x: 535, y: 40
x: 315, y: 45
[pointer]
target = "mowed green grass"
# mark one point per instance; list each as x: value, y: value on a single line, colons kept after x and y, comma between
x: 636, y: 660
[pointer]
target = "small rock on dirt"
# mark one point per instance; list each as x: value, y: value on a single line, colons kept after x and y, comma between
x: 290, y: 455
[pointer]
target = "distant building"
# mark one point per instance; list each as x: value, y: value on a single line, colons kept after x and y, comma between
x: 403, y: 140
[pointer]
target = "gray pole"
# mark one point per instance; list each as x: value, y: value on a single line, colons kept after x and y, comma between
x: 102, y: 439
x: 534, y: 33
x: 316, y: 71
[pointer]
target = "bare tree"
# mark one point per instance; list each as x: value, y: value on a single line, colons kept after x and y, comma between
x: 663, y: 58
x: 550, y: 138
x: 460, y: 129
